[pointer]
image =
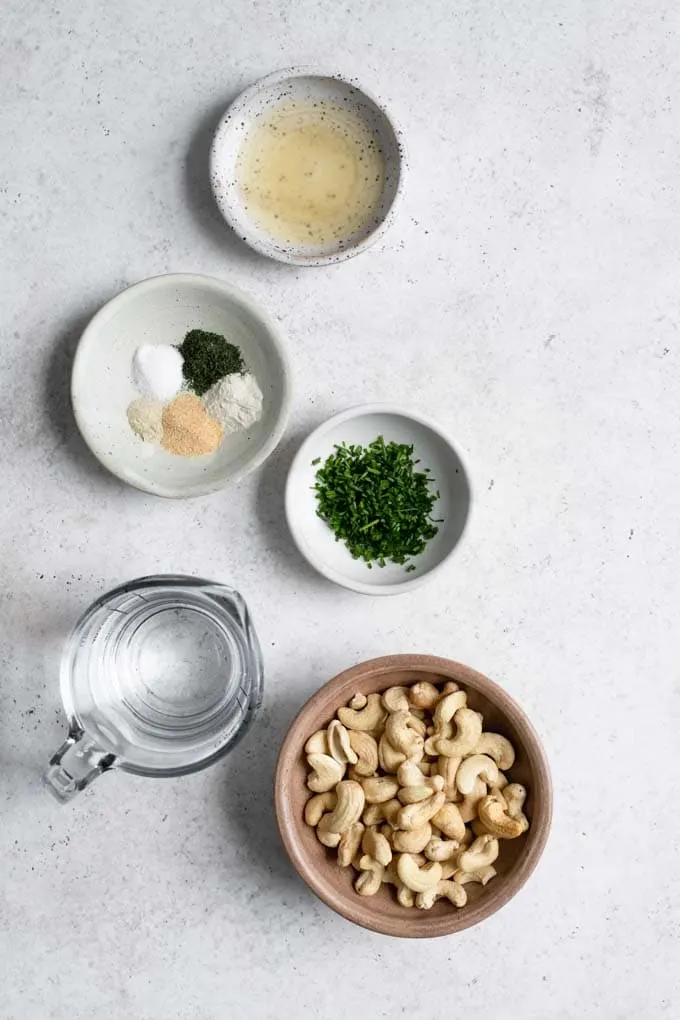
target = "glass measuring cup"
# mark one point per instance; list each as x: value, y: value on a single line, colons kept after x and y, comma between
x: 159, y: 677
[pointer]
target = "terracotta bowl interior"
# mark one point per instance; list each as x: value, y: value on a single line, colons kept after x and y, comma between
x: 318, y: 866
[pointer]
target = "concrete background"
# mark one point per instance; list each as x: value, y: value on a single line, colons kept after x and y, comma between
x: 527, y: 298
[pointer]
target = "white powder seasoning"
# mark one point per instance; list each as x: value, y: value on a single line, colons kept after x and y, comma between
x: 235, y: 402
x: 157, y: 370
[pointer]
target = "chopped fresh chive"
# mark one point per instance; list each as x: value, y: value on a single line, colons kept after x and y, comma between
x: 372, y: 498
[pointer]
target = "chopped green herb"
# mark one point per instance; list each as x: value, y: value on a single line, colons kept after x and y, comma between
x: 317, y: 460
x: 375, y: 501
x: 207, y: 358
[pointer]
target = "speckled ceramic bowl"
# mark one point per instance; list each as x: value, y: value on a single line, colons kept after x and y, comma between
x: 303, y: 84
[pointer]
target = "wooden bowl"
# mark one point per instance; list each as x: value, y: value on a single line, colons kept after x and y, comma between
x: 318, y: 866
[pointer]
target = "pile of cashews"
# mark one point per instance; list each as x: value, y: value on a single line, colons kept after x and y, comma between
x: 426, y: 799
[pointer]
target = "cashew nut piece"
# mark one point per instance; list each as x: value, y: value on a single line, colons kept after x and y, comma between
x: 515, y: 794
x: 389, y: 758
x: 494, y: 816
x: 358, y: 701
x: 442, y: 849
x: 387, y: 812
x: 414, y: 794
x: 367, y: 718
x: 317, y: 743
x: 370, y: 877
x: 405, y: 897
x: 449, y: 688
x: 469, y: 730
x: 409, y: 774
x: 395, y: 699
x: 476, y: 766
x: 483, y: 852
x: 339, y: 745
x: 413, y: 840
x: 318, y: 805
x: 482, y: 875
x: 349, y: 844
x: 447, y: 706
x: 497, y: 747
x: 423, y: 695
x: 468, y: 807
x: 402, y: 730
x: 366, y: 749
x: 449, y: 820
x: 447, y: 769
x: 501, y: 781
x: 379, y: 789
x: 348, y: 809
x: 414, y: 816
x: 330, y: 839
x: 451, y: 891
x: 425, y: 767
x: 377, y: 846
x: 327, y: 772
x: 415, y: 878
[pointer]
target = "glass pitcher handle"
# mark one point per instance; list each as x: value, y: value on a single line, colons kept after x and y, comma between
x: 73, y: 767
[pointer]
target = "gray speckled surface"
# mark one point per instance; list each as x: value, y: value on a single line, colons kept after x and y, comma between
x: 526, y: 297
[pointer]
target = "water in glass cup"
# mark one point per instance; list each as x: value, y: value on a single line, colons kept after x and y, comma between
x: 160, y: 677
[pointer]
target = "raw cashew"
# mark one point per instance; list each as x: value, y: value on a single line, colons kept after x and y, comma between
x: 414, y: 816
x: 358, y: 701
x: 366, y: 750
x: 451, y: 891
x: 447, y: 769
x: 515, y: 794
x: 349, y: 844
x: 379, y: 789
x: 425, y: 767
x: 395, y: 699
x: 449, y: 820
x: 415, y: 878
x: 409, y: 774
x: 474, y: 767
x: 339, y: 744
x: 496, y: 819
x: 450, y: 687
x: 389, y: 758
x: 348, y: 808
x: 376, y: 846
x: 482, y: 875
x: 370, y: 877
x: 405, y: 897
x: 442, y: 849
x: 447, y: 707
x: 469, y: 730
x: 414, y: 794
x: 327, y: 772
x: 501, y: 781
x: 387, y: 812
x: 325, y: 836
x: 318, y: 805
x: 317, y: 743
x: 413, y: 840
x: 469, y: 805
x: 423, y: 695
x: 497, y: 747
x: 402, y: 732
x: 367, y: 718
x: 483, y: 852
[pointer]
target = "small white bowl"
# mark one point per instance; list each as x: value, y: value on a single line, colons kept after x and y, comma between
x: 303, y: 83
x: 362, y: 425
x: 162, y: 310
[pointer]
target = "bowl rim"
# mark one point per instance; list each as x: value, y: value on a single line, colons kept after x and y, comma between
x: 346, y: 683
x: 160, y: 282
x: 240, y: 104
x: 366, y: 587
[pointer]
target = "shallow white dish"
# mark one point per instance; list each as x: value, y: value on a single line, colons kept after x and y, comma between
x: 363, y: 424
x: 303, y: 83
x: 162, y: 310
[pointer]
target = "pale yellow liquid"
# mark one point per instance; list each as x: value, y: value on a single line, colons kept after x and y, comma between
x: 311, y: 173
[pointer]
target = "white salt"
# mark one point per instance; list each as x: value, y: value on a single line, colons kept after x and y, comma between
x: 157, y: 370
